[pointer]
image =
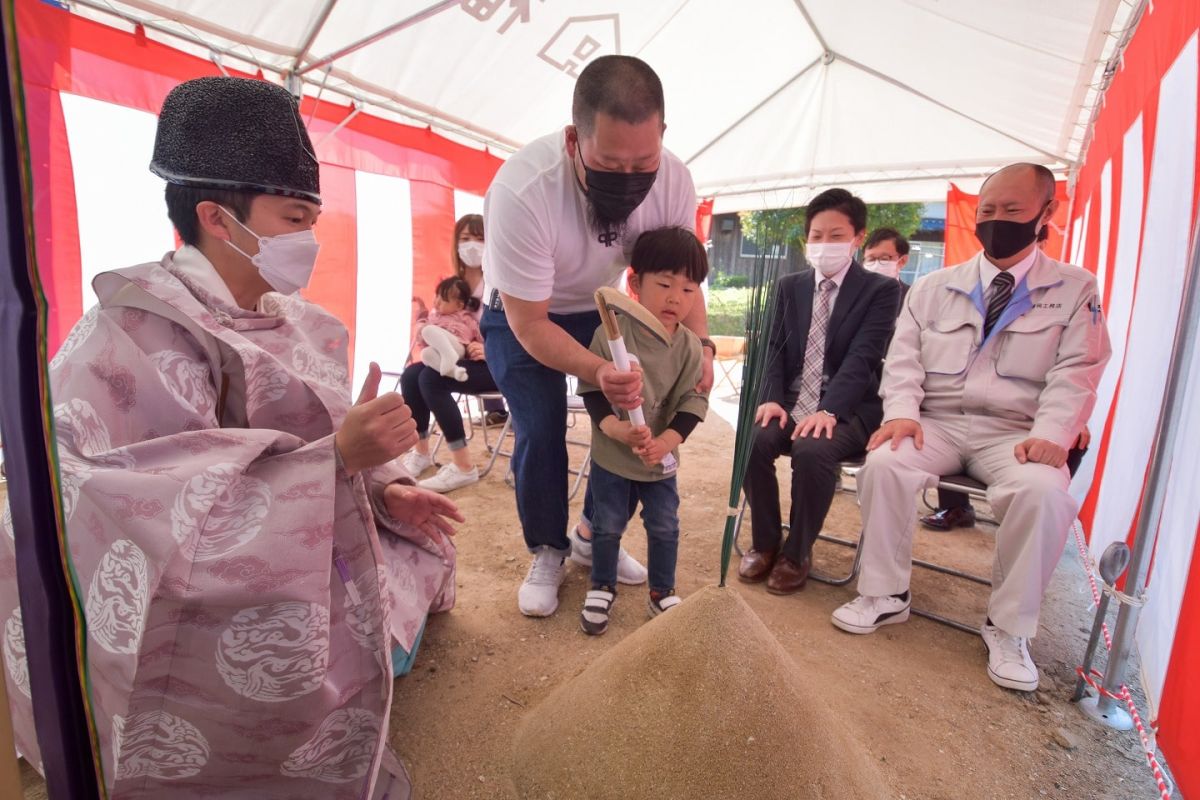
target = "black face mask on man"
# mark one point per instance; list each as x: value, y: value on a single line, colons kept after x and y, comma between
x: 613, y: 196
x: 1003, y: 238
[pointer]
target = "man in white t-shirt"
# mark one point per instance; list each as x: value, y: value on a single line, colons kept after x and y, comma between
x: 560, y: 221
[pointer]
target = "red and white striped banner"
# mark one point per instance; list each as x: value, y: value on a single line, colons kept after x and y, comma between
x: 1132, y: 223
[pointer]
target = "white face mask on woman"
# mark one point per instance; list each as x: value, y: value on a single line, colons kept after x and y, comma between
x: 471, y: 253
x: 285, y: 261
x: 829, y: 258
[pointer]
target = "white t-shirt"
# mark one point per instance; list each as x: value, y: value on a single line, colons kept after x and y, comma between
x: 537, y: 241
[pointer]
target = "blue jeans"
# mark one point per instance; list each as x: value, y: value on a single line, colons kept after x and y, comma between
x: 537, y: 401
x: 613, y: 497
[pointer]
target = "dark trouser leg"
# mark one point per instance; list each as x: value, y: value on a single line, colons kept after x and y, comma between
x: 589, y: 506
x: 537, y: 400
x: 762, y: 487
x: 660, y: 514
x: 410, y: 390
x: 610, y: 517
x: 1075, y: 458
x: 438, y: 394
x: 814, y: 481
x: 952, y: 499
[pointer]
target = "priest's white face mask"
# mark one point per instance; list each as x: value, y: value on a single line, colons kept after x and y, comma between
x: 285, y: 261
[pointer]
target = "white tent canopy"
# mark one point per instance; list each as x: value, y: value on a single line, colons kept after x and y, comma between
x: 767, y: 100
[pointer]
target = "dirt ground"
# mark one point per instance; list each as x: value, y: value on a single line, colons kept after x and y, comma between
x: 917, y: 695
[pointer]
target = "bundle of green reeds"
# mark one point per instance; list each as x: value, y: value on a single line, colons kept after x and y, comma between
x: 760, y: 314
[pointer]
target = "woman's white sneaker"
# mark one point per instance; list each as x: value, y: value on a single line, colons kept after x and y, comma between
x: 1009, y: 664
x: 415, y: 463
x: 629, y: 570
x: 865, y: 614
x: 449, y: 478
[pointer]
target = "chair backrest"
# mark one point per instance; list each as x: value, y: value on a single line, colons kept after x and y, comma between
x: 729, y: 346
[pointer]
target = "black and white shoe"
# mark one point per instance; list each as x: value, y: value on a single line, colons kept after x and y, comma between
x: 596, y: 607
x: 658, y: 604
x: 865, y: 614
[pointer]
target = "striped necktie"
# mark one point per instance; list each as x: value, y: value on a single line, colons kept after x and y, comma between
x: 1001, y: 291
x: 814, y: 355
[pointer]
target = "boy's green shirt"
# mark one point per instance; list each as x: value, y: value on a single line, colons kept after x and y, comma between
x: 670, y: 373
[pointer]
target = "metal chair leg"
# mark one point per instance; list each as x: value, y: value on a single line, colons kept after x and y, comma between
x: 580, y: 474
x: 854, y: 565
x: 953, y: 623
x: 496, y: 451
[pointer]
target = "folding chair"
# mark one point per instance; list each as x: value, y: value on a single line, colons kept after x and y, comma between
x: 730, y: 355
x: 850, y: 469
x: 495, y: 450
x: 575, y: 408
x: 464, y: 405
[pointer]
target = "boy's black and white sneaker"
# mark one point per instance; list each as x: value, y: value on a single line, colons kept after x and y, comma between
x: 865, y: 614
x: 596, y: 608
x: 658, y: 603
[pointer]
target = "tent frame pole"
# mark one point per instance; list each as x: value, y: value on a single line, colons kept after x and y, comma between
x: 396, y: 104
x: 407, y: 22
x: 1104, y: 707
x: 313, y: 32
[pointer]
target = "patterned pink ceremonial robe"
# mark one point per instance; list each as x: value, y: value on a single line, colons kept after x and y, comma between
x: 242, y: 593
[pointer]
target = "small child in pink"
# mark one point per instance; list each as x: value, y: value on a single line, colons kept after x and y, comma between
x: 450, y: 328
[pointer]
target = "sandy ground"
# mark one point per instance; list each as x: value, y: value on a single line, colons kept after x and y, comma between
x: 917, y: 695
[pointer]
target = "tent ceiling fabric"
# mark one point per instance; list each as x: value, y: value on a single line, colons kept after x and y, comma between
x: 765, y: 98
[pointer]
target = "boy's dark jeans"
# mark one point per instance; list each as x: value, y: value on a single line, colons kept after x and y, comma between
x: 613, y: 498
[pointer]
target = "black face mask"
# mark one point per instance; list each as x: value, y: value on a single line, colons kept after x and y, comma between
x: 1002, y: 238
x: 613, y: 196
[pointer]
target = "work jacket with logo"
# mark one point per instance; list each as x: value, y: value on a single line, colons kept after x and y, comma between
x: 1039, y: 365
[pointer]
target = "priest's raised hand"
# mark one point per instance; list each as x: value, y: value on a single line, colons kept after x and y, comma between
x: 376, y: 429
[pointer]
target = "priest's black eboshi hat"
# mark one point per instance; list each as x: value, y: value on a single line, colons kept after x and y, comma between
x: 235, y: 133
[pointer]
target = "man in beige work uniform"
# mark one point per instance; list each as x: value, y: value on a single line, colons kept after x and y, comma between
x: 992, y: 370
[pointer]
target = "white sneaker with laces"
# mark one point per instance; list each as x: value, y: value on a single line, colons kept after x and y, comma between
x: 1009, y: 664
x: 629, y: 570
x: 865, y: 614
x: 538, y: 595
x: 449, y: 478
x: 415, y: 462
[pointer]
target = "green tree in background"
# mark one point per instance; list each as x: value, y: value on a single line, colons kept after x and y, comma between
x: 787, y: 224
x: 904, y: 217
x: 773, y: 226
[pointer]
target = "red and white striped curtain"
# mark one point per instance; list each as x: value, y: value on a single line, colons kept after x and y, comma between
x: 1134, y: 211
x: 391, y: 192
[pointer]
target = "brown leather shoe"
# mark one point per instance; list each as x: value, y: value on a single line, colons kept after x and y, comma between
x: 788, y: 577
x: 945, y: 519
x: 756, y: 566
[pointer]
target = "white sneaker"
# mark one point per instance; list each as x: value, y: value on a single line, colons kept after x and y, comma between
x: 1009, y: 664
x: 538, y: 595
x: 865, y: 614
x: 629, y: 571
x: 415, y: 463
x: 449, y: 478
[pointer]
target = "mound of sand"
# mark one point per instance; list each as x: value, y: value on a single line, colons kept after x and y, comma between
x: 700, y: 702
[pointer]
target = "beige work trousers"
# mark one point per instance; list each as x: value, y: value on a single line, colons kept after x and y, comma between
x: 1030, y: 500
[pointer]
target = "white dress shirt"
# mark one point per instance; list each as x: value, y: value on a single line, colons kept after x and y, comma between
x: 988, y: 271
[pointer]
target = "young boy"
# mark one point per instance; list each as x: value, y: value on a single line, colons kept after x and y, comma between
x: 638, y: 463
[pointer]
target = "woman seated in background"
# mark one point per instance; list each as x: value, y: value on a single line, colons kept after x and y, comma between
x: 427, y: 392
